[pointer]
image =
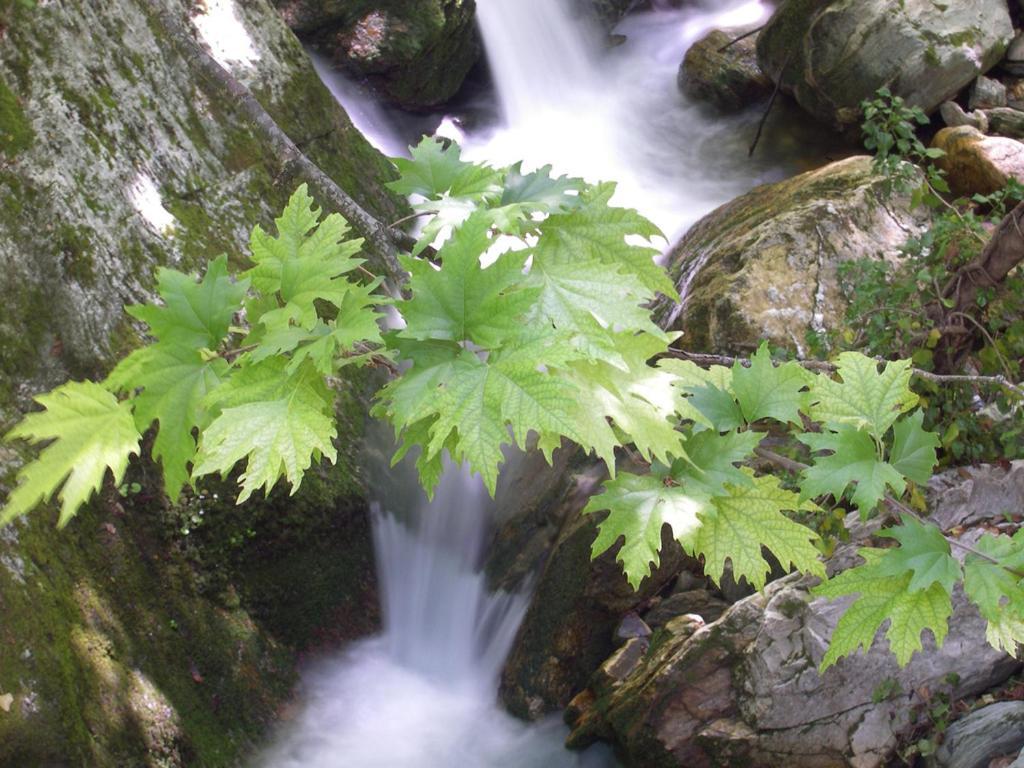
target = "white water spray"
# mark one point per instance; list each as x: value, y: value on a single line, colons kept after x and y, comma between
x: 615, y: 114
x: 422, y: 695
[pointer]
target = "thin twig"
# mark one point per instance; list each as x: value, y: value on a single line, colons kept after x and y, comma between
x: 771, y: 103
x: 742, y: 37
x: 411, y: 217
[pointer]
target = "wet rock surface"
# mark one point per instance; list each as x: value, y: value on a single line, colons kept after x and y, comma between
x: 727, y: 78
x: 416, y: 52
x: 764, y: 266
x: 833, y: 54
x: 745, y: 689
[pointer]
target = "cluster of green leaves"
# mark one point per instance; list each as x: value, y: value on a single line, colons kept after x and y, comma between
x: 887, y: 301
x: 890, y: 131
x: 523, y: 322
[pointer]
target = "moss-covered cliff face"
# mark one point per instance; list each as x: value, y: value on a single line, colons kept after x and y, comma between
x: 416, y: 52
x: 145, y: 635
x: 116, y: 160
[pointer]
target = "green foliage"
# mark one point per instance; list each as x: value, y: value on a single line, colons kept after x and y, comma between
x: 524, y: 323
x: 890, y: 302
x: 884, y: 598
x: 91, y: 432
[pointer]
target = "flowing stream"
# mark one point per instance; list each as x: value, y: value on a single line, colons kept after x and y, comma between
x: 423, y: 694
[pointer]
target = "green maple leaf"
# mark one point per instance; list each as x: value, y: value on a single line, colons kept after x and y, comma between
x: 463, y: 301
x: 640, y: 400
x: 717, y: 408
x: 913, y: 450
x: 854, y: 460
x: 175, y: 381
x: 996, y: 588
x: 767, y: 391
x: 594, y: 231
x: 474, y: 407
x: 884, y: 598
x: 866, y: 398
x: 306, y: 260
x: 924, y: 552
x: 278, y: 423
x: 712, y: 382
x: 540, y: 191
x: 330, y: 345
x: 737, y: 525
x: 91, y: 433
x: 638, y: 507
x: 480, y: 401
x: 436, y: 170
x: 589, y: 297
x: 711, y: 460
x: 196, y: 315
x: 690, y: 376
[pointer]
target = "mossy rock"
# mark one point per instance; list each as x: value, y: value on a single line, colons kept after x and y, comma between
x: 416, y: 52
x: 124, y: 642
x: 729, y: 80
x: 764, y: 267
x: 833, y: 54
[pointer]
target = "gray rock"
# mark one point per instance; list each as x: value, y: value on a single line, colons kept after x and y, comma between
x: 765, y: 265
x: 745, y: 690
x: 986, y: 93
x: 983, y: 735
x: 1006, y: 122
x: 699, y: 602
x: 833, y: 54
x: 1019, y: 762
x: 415, y: 52
x: 728, y: 80
x: 1014, y: 61
x: 953, y: 115
x: 631, y: 627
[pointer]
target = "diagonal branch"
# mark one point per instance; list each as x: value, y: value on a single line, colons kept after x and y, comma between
x: 382, y: 242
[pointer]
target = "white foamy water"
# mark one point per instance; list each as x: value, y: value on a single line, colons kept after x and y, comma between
x: 422, y: 695
x: 616, y: 114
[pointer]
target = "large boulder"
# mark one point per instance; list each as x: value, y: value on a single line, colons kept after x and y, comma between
x: 976, y: 164
x: 764, y: 266
x: 833, y: 54
x: 145, y: 634
x: 745, y: 690
x: 729, y: 80
x: 416, y: 52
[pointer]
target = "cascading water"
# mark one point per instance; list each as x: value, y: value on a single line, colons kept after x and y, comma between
x: 422, y: 695
x: 616, y: 114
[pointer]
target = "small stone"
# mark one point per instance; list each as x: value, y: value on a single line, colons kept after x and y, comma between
x: 953, y: 115
x: 976, y: 164
x: 983, y: 735
x: 6, y: 701
x: 631, y: 626
x: 986, y: 93
x: 1006, y: 122
x: 1014, y: 61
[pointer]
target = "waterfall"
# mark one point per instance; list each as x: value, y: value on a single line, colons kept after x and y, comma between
x: 616, y: 114
x: 422, y: 694
x: 541, y: 56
